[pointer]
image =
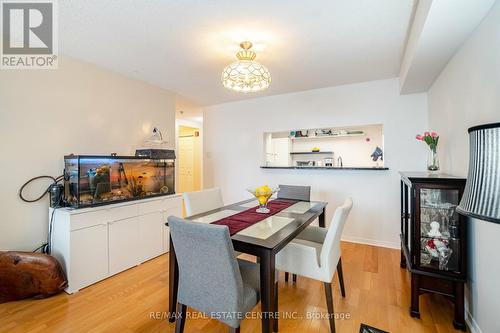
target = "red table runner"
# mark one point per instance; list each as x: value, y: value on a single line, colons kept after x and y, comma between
x: 249, y: 217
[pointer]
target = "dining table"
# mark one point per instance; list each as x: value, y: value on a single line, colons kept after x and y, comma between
x: 263, y: 240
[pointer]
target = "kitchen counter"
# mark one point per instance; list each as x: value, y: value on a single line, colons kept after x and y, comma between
x: 323, y: 167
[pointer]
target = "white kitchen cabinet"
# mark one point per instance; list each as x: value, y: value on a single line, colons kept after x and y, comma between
x: 123, y: 244
x: 94, y: 243
x: 280, y: 152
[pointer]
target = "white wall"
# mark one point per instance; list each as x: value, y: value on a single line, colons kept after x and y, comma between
x: 234, y: 149
x: 78, y: 108
x: 467, y: 93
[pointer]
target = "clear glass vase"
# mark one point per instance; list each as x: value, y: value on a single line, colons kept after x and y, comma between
x: 433, y: 160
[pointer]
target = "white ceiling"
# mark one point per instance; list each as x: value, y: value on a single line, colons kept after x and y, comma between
x: 439, y: 28
x: 183, y: 45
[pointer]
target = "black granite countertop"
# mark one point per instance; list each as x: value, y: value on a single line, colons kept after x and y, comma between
x: 325, y: 168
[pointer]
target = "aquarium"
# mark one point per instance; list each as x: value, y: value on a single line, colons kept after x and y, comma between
x: 98, y: 180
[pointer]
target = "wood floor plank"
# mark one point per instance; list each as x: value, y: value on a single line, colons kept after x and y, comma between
x: 377, y: 293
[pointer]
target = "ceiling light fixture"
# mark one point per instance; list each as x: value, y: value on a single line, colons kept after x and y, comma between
x: 246, y: 75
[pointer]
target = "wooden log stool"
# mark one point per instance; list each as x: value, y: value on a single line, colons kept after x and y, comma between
x: 28, y: 274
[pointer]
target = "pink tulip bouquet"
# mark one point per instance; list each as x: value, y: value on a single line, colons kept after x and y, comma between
x: 432, y: 139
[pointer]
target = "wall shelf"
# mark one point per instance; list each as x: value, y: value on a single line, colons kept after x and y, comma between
x: 325, y: 168
x: 311, y: 152
x: 326, y: 136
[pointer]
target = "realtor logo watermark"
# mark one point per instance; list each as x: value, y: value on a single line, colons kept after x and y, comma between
x: 29, y: 34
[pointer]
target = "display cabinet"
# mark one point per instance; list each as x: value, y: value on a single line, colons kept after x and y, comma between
x: 433, y: 238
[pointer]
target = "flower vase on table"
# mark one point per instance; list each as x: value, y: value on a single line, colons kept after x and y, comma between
x: 263, y: 193
x: 431, y: 139
x: 433, y: 160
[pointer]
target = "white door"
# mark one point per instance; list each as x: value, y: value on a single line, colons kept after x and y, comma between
x: 89, y: 256
x: 123, y: 244
x: 150, y: 235
x: 186, y: 164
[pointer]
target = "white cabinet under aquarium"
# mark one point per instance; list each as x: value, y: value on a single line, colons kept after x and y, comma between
x: 355, y: 147
x: 94, y: 243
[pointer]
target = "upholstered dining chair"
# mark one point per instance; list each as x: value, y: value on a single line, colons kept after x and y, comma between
x: 315, y: 254
x: 211, y: 279
x: 294, y: 192
x: 202, y: 201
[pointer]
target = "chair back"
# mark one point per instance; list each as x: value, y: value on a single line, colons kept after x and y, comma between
x: 202, y: 201
x: 330, y: 252
x: 209, y: 276
x: 295, y: 192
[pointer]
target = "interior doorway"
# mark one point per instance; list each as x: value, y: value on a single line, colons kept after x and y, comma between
x: 189, y: 159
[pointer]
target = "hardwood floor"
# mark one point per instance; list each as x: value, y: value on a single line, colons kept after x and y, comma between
x: 377, y: 294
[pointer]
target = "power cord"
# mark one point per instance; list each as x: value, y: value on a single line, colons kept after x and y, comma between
x: 54, y: 182
x: 45, y: 248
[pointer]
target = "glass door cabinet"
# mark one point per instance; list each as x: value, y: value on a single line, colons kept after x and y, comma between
x: 433, y: 237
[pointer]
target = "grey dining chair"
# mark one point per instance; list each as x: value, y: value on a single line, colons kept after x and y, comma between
x: 294, y: 192
x: 211, y: 279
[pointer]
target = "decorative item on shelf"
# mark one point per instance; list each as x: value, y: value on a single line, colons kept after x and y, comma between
x: 481, y: 197
x: 306, y: 163
x: 343, y: 132
x: 246, y: 75
x: 328, y: 161
x: 377, y: 154
x: 263, y: 193
x: 432, y: 139
x: 301, y: 134
x: 434, y: 232
x: 323, y: 132
x: 438, y: 248
x: 315, y: 150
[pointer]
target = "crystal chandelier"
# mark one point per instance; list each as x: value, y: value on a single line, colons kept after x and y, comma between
x: 246, y: 75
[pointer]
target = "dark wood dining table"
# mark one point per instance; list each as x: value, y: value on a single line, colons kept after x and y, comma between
x: 265, y: 249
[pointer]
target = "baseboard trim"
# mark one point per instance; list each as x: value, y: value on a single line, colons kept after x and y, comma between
x: 471, y: 322
x: 373, y: 242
